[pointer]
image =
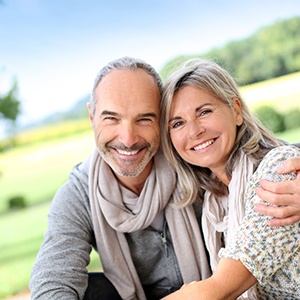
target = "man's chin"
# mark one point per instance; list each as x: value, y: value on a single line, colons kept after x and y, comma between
x: 127, y: 173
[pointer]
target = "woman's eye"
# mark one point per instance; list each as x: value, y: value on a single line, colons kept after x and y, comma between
x: 204, y: 112
x: 176, y: 124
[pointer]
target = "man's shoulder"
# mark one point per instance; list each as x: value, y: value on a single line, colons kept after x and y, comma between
x: 80, y: 171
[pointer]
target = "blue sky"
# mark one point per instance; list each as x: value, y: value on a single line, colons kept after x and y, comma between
x: 54, y: 48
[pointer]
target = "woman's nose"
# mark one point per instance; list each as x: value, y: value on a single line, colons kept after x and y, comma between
x: 195, y: 129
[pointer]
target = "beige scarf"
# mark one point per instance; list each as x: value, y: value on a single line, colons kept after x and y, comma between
x: 112, y: 218
x: 224, y: 215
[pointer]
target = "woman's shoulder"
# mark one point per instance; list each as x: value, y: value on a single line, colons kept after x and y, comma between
x: 289, y: 150
x: 267, y: 169
x: 278, y: 156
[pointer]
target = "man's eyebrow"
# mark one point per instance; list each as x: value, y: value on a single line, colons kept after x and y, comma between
x: 107, y: 112
x: 150, y: 114
x: 115, y: 114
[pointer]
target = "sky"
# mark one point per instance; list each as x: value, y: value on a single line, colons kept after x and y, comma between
x: 54, y: 48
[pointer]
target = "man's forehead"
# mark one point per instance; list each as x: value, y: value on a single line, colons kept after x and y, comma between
x: 127, y: 84
x: 128, y: 93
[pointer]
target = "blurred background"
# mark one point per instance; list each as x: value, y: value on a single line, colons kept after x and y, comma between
x: 50, y: 54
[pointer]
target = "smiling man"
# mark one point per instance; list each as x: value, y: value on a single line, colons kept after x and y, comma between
x: 119, y: 202
x: 125, y: 123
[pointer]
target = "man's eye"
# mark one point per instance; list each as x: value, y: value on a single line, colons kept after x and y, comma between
x: 145, y: 120
x: 110, y: 118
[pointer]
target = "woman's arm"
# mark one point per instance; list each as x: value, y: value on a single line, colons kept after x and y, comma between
x: 230, y: 280
x: 286, y: 194
x: 255, y: 242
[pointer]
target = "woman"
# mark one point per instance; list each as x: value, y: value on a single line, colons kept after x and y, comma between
x: 220, y: 152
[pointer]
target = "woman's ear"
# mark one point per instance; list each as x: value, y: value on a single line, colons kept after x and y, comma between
x: 237, y: 107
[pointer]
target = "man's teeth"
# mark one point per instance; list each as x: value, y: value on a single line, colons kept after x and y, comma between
x: 123, y: 152
x: 204, y: 145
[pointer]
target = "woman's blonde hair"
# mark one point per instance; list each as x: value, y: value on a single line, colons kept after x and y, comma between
x: 252, y: 137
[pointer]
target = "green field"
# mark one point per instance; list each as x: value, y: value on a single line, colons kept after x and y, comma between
x: 21, y: 235
x: 36, y: 170
x: 282, y: 93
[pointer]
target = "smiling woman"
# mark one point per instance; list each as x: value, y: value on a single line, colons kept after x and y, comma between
x: 221, y: 153
x: 199, y: 120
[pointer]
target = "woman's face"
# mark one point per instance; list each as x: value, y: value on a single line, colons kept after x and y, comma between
x: 203, y: 128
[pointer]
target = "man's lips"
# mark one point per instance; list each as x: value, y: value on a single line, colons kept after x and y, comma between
x: 126, y: 152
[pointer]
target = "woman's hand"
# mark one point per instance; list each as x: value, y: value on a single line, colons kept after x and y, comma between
x: 286, y: 194
x: 230, y: 280
x: 187, y: 291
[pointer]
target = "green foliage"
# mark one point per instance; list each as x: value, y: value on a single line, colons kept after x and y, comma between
x: 10, y: 105
x: 16, y: 202
x: 292, y: 119
x: 270, y: 52
x: 291, y: 136
x: 270, y: 118
x: 173, y: 65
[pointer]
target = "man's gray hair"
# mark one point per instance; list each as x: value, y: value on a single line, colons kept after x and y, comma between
x: 125, y: 63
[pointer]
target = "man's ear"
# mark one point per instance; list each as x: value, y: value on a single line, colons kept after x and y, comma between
x: 89, y: 107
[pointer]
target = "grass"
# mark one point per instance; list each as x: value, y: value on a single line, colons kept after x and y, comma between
x: 35, y: 171
x: 21, y: 235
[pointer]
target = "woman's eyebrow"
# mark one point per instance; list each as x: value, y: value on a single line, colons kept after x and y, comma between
x: 174, y: 118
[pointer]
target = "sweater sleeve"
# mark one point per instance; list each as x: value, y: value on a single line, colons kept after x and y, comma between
x: 267, y: 252
x: 60, y: 270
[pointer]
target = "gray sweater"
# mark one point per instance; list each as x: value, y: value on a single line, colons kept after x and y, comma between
x: 60, y: 268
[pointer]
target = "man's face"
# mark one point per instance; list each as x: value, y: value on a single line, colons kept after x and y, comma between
x: 126, y: 121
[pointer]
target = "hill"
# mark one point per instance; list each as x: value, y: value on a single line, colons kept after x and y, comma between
x: 270, y: 52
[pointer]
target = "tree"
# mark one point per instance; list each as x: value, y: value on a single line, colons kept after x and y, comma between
x: 9, y: 104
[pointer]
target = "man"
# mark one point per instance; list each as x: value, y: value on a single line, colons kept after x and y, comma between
x: 119, y: 201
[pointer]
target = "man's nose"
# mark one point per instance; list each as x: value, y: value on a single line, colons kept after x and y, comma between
x: 128, y: 134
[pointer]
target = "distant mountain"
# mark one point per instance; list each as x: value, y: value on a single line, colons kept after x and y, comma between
x: 76, y: 111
